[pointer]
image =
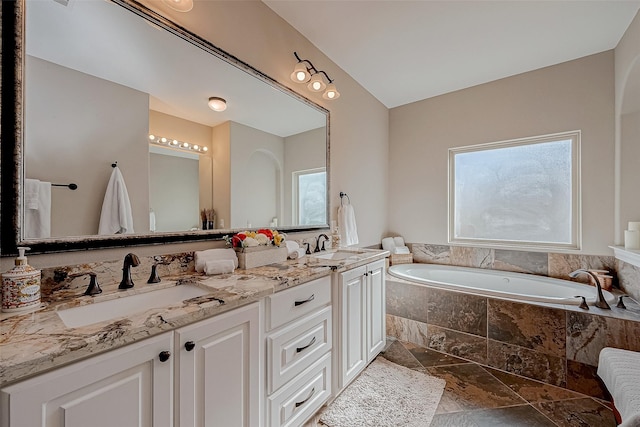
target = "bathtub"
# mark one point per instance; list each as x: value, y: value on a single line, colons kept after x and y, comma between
x: 501, y: 284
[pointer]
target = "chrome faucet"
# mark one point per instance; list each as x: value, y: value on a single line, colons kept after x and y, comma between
x: 600, y: 301
x: 130, y: 260
x: 326, y: 238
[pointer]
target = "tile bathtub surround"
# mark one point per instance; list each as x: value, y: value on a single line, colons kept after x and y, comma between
x: 557, y: 265
x: 553, y: 345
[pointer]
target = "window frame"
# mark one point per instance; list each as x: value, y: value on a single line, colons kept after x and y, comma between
x: 576, y: 201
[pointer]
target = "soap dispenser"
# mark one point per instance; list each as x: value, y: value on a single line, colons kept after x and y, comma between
x: 21, y: 286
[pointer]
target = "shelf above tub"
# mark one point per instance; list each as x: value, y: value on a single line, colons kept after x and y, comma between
x: 627, y: 255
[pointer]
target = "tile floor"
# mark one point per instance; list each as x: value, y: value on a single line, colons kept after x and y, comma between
x: 478, y: 396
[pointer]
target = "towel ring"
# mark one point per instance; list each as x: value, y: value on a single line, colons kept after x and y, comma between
x: 342, y: 195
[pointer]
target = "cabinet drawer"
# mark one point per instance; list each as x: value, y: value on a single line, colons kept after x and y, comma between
x: 295, y: 347
x: 302, y: 397
x: 288, y: 305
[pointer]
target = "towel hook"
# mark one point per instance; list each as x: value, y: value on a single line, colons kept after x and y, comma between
x: 114, y: 164
x: 343, y: 194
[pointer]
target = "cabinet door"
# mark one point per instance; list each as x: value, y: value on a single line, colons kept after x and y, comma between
x: 129, y: 386
x: 353, y: 324
x: 218, y: 370
x: 376, y: 310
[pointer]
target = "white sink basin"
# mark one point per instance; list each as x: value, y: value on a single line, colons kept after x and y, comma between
x: 120, y: 307
x: 333, y: 258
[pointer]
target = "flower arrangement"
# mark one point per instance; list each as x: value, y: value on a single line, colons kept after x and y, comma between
x: 250, y: 239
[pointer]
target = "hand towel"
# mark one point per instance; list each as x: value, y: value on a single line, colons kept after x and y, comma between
x: 37, y: 222
x: 400, y: 250
x: 31, y: 193
x: 347, y: 225
x: 388, y: 244
x: 297, y: 253
x: 116, y: 216
x: 152, y: 220
x: 399, y: 241
x: 201, y: 257
x: 219, y: 266
x: 292, y: 245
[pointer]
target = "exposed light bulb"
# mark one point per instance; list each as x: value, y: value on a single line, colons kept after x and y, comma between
x: 205, y: 149
x: 179, y: 5
x: 185, y: 145
x: 331, y: 92
x: 196, y: 147
x: 152, y: 137
x: 163, y: 139
x: 174, y: 142
x: 300, y: 73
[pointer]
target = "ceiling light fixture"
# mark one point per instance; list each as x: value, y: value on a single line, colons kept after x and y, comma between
x: 304, y: 72
x: 217, y: 104
x: 179, y: 5
x: 177, y: 145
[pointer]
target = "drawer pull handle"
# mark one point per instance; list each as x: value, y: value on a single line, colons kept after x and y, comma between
x: 164, y: 356
x: 298, y: 404
x: 297, y: 303
x: 299, y: 349
x: 189, y: 345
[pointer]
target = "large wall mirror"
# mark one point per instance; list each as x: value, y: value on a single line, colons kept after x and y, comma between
x: 113, y: 93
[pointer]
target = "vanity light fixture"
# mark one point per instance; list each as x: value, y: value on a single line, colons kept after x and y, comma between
x: 217, y: 104
x: 304, y: 72
x: 179, y: 5
x: 178, y: 145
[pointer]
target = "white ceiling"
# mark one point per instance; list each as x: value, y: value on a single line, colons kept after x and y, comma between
x: 405, y: 51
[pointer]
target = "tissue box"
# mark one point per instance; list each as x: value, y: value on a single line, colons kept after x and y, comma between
x: 395, y: 259
x: 258, y: 256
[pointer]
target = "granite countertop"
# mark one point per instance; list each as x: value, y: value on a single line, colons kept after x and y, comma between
x: 38, y: 341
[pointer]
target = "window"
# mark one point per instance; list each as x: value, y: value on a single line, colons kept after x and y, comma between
x: 310, y: 197
x: 522, y: 193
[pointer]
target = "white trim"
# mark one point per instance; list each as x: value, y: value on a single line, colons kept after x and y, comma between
x: 576, y: 202
x: 627, y: 255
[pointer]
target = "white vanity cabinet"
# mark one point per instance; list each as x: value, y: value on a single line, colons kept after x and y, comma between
x: 298, y: 342
x: 217, y: 370
x: 359, y: 320
x: 130, y: 386
x: 206, y: 373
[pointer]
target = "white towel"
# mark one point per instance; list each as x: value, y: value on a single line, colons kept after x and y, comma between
x: 292, y: 245
x: 31, y: 193
x: 347, y: 225
x: 201, y: 257
x: 388, y: 244
x: 37, y: 222
x: 399, y: 241
x: 152, y: 220
x: 116, y: 216
x: 400, y: 250
x: 219, y: 266
x: 297, y: 253
x: 618, y: 370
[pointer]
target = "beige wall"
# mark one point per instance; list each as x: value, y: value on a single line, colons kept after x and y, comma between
x: 627, y: 75
x: 359, y: 123
x: 256, y: 176
x: 577, y: 95
x: 161, y: 124
x: 303, y: 151
x: 61, y: 135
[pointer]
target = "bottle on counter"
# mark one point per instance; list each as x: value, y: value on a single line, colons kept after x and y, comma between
x: 21, y: 286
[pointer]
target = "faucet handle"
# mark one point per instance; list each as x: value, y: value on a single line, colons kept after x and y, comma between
x: 94, y: 287
x: 620, y: 303
x: 308, y: 248
x: 154, y: 278
x: 583, y: 305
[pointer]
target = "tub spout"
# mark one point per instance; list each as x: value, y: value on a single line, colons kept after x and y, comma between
x: 600, y: 301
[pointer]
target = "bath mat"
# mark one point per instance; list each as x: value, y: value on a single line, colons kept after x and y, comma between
x: 386, y: 394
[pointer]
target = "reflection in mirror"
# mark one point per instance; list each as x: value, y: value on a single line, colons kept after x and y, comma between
x: 99, y: 80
